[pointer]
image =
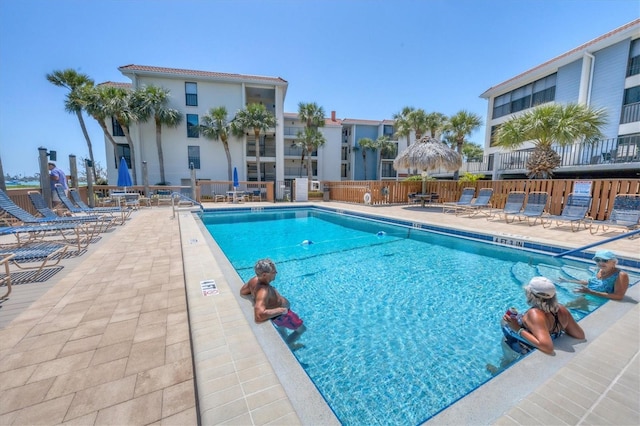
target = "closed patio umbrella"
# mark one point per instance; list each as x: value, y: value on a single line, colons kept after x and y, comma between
x: 428, y: 154
x: 236, y: 184
x: 124, y: 178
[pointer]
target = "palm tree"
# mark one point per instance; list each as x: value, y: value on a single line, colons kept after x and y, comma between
x: 74, y: 82
x: 364, y: 144
x: 118, y: 104
x: 216, y: 126
x: 254, y: 117
x: 310, y: 139
x: 459, y: 127
x: 153, y: 100
x: 411, y: 119
x: 384, y: 145
x: 93, y: 103
x: 436, y: 122
x: 547, y: 124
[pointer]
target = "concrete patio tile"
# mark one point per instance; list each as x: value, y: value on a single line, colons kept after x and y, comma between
x: 101, y: 396
x: 177, y: 351
x: 87, y: 378
x: 221, y: 414
x: 554, y: 408
x: 290, y: 419
x: 18, y: 377
x: 272, y: 412
x: 260, y: 383
x: 21, y: 359
x: 626, y: 396
x: 221, y: 398
x: 80, y: 345
x: 178, y: 398
x: 615, y: 412
x: 119, y: 331
x: 88, y: 419
x: 146, y: 355
x: 149, y: 332
x: 163, y: 376
x: 61, y: 365
x: 186, y: 417
x: 47, y: 412
x: 112, y: 352
x: 34, y: 342
x: 265, y: 397
x: 90, y: 328
x: 24, y: 396
x: 138, y: 411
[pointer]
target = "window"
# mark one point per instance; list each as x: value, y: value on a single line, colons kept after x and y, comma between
x: 634, y: 58
x: 632, y: 95
x: 116, y: 129
x: 191, y: 94
x: 527, y: 96
x: 123, y: 151
x: 387, y: 130
x: 193, y: 155
x: 192, y: 126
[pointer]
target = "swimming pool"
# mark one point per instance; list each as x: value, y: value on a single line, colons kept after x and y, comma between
x: 400, y: 310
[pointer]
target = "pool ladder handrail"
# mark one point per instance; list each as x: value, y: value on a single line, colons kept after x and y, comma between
x: 608, y: 240
x: 177, y: 195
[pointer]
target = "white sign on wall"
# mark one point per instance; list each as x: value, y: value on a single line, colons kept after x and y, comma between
x: 302, y: 189
x: 582, y: 187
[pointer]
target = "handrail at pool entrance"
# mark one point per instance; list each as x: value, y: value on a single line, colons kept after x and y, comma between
x: 608, y: 240
x: 177, y: 195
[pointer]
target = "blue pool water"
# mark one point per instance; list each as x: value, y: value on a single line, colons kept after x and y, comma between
x: 400, y: 324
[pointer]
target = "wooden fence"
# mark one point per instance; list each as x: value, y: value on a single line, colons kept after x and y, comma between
x: 603, y: 191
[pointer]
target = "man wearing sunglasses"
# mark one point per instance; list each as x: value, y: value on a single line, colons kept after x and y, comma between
x: 609, y: 282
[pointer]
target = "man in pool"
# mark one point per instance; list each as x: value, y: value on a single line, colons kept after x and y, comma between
x: 269, y: 304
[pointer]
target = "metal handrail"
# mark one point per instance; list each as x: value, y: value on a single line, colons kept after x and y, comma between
x: 176, y: 195
x: 608, y: 240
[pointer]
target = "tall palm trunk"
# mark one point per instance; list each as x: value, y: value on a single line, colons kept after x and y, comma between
x: 309, y: 165
x: 86, y: 137
x: 159, y: 147
x: 227, y: 152
x: 256, y: 131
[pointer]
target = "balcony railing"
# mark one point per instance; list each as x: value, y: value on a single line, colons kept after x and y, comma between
x: 630, y: 113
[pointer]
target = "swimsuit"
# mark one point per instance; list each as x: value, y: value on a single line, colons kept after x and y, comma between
x: 290, y: 320
x: 605, y: 285
x: 519, y: 344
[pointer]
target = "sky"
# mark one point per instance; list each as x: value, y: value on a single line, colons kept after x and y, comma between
x: 362, y: 59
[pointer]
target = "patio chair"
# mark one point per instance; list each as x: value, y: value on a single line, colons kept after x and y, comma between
x: 6, y: 278
x: 105, y: 211
x: 71, y: 234
x: 100, y: 222
x: 481, y: 205
x: 573, y: 213
x: 512, y: 207
x: 36, y: 257
x: 465, y: 200
x: 534, y: 208
x: 625, y: 215
x: 77, y: 200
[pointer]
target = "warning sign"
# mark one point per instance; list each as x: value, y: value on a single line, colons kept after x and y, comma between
x: 209, y: 287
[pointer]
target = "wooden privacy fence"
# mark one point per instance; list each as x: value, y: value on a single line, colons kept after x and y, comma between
x: 603, y: 191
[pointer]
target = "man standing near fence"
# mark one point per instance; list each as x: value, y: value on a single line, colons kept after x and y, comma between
x: 57, y: 177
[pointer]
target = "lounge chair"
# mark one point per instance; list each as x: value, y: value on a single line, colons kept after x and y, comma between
x: 625, y: 215
x: 512, y: 207
x: 78, y: 206
x: 75, y: 234
x: 465, y: 200
x: 8, y: 207
x: 33, y: 257
x: 481, y: 205
x: 41, y: 206
x: 573, y: 213
x: 6, y: 278
x: 534, y: 208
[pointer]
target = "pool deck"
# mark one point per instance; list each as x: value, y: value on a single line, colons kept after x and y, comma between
x: 115, y: 337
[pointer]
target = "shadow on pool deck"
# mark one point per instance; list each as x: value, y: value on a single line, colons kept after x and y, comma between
x: 116, y: 328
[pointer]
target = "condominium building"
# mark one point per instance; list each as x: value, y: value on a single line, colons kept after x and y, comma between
x: 193, y: 93
x: 603, y: 73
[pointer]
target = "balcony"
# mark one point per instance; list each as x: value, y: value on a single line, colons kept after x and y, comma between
x: 630, y: 113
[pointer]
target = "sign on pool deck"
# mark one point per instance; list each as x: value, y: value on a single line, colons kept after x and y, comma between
x: 209, y: 287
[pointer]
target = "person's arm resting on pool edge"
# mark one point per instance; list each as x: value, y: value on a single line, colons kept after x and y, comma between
x: 260, y: 311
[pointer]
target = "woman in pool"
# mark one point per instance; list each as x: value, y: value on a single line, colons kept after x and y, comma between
x: 609, y: 282
x: 545, y: 321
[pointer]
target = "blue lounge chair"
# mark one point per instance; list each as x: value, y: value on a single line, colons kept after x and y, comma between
x: 573, y: 213
x: 32, y: 257
x: 72, y: 234
x: 114, y: 212
x: 512, y: 207
x: 625, y: 215
x: 465, y: 200
x: 481, y: 205
x: 535, y: 207
x: 9, y: 208
x: 102, y: 223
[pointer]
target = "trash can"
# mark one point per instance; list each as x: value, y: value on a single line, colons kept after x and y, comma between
x: 325, y: 193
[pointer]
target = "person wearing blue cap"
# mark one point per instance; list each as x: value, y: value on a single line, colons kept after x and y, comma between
x: 608, y: 282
